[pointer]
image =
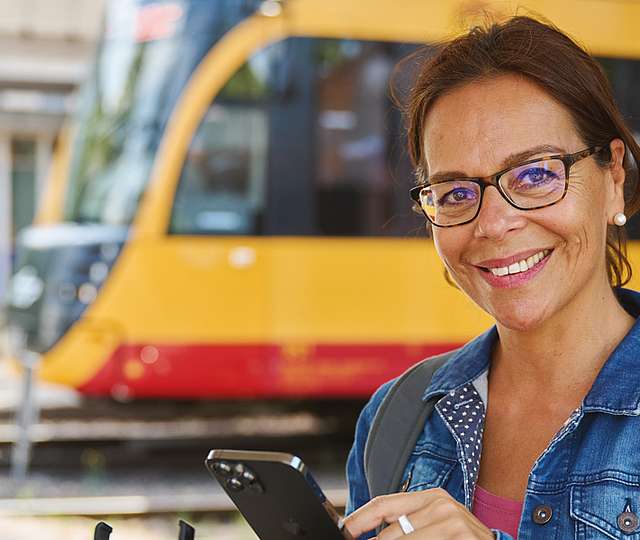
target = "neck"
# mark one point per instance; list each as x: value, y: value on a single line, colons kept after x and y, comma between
x: 563, y: 356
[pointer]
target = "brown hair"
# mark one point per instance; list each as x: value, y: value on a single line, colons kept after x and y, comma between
x: 546, y: 56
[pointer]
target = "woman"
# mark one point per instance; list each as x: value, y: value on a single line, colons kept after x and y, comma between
x: 523, y: 165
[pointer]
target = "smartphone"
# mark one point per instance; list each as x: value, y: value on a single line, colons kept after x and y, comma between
x: 276, y: 494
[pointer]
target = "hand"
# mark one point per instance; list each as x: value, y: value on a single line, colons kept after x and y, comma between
x: 433, y: 513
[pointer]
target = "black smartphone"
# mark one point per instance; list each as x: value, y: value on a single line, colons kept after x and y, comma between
x: 276, y: 494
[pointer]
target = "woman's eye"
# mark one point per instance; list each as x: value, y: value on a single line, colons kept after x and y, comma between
x: 458, y: 196
x: 534, y: 177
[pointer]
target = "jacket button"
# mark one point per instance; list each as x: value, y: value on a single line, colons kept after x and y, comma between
x: 542, y: 514
x: 628, y: 522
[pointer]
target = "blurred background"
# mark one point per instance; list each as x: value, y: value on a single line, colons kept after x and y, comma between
x: 206, y: 241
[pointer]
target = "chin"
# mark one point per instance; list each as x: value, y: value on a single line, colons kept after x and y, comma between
x: 519, y: 324
x: 520, y: 316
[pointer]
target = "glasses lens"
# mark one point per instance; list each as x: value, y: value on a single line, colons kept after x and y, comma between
x: 535, y: 184
x: 450, y: 203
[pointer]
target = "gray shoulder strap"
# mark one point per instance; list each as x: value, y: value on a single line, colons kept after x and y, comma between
x: 397, y: 425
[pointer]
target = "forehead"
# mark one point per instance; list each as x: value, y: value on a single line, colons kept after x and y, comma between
x: 475, y: 127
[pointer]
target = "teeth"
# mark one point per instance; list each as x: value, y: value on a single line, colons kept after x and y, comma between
x: 520, y: 266
x: 515, y: 268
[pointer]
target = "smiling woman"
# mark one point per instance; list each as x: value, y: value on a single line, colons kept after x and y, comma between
x: 508, y: 115
x: 534, y: 414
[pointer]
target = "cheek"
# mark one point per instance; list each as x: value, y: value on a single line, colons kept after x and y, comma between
x: 450, y: 245
x: 587, y: 196
x: 589, y: 240
x: 446, y: 245
x: 584, y: 219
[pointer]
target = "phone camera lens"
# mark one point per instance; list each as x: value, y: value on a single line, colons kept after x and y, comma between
x: 239, y: 469
x: 222, y: 468
x: 234, y: 484
x: 248, y: 476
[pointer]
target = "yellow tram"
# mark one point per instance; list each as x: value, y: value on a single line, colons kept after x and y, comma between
x: 227, y: 215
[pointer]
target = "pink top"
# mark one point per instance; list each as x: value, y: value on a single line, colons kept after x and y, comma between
x: 497, y: 512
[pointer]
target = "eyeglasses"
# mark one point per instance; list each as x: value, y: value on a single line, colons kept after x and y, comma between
x: 536, y: 183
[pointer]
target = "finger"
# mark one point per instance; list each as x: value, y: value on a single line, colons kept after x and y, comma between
x: 383, y: 509
x: 442, y: 514
x: 388, y: 508
x: 450, y: 514
x: 442, y: 530
x: 451, y: 530
x: 394, y: 531
x: 422, y: 518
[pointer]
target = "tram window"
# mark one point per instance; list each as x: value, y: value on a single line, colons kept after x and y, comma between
x: 222, y: 182
x: 337, y: 154
x: 222, y: 186
x: 302, y: 140
x: 354, y: 177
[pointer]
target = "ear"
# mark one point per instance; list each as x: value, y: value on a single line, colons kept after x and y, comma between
x: 616, y: 176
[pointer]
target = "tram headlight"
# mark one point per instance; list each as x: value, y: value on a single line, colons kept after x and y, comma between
x: 87, y: 293
x: 109, y: 251
x: 26, y: 288
x: 98, y: 272
x: 60, y: 271
x: 271, y: 8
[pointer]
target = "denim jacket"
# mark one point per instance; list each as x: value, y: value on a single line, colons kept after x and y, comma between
x: 585, y: 485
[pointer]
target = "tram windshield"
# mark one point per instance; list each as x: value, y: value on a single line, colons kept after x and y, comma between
x: 147, y: 54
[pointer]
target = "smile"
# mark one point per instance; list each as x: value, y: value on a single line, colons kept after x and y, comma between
x: 520, y: 266
x: 511, y: 272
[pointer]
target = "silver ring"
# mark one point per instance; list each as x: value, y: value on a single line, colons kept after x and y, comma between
x: 405, y: 524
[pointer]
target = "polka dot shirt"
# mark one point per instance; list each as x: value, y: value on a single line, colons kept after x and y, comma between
x: 463, y: 412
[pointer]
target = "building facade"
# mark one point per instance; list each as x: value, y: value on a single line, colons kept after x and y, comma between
x: 45, y: 49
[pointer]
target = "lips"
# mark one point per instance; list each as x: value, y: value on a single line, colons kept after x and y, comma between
x: 515, y: 270
x: 488, y: 264
x: 521, y: 265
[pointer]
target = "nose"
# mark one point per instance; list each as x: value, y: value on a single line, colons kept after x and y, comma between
x: 497, y: 217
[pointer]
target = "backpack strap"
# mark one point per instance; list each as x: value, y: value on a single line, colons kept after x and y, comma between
x: 397, y: 425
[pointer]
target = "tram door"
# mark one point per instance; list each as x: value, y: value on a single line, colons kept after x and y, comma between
x: 332, y: 294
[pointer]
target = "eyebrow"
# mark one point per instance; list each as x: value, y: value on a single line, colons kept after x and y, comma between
x: 511, y: 161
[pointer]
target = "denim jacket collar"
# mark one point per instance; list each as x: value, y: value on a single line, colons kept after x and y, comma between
x: 465, y: 365
x: 613, y: 391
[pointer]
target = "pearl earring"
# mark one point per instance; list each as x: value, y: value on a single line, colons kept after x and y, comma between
x: 619, y: 219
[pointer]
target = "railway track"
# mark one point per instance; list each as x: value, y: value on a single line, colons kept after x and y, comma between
x: 167, y: 483
x: 95, y: 420
x: 181, y: 428
x: 133, y: 505
x: 134, y: 479
x: 96, y: 457
x: 74, y: 443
